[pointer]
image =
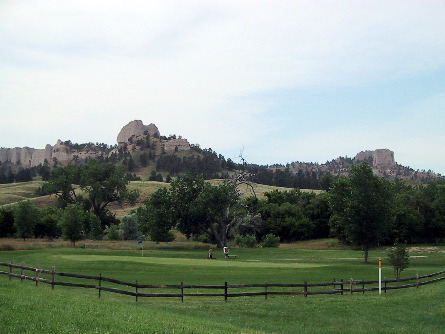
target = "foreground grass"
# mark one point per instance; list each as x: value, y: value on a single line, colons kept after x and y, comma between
x: 29, y: 309
x: 26, y: 308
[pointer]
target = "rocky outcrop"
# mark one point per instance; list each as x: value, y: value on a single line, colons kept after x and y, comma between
x: 17, y: 155
x: 135, y: 129
x: 40, y: 156
x: 60, y: 152
x: 65, y: 152
x: 176, y: 145
x: 377, y: 158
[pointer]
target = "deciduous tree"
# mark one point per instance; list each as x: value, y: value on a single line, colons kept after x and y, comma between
x: 103, y: 183
x: 361, y: 206
x: 73, y: 223
x: 26, y: 216
x: 398, y: 257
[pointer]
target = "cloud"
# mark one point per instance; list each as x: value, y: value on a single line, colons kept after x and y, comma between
x: 204, y: 69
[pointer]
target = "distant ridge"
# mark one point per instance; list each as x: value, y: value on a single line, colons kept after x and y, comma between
x: 135, y: 137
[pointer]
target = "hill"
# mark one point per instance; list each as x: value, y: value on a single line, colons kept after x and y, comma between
x: 149, y: 155
x: 16, y: 192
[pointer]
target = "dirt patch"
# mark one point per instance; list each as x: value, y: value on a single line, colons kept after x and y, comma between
x: 431, y: 249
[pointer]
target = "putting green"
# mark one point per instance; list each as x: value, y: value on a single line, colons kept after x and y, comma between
x: 189, y: 262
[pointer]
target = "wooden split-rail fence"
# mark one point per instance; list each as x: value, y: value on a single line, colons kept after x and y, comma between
x: 349, y: 286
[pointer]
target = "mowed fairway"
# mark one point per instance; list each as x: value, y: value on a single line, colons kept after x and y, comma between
x: 26, y: 308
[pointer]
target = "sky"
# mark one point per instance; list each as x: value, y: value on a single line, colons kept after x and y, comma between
x: 279, y: 81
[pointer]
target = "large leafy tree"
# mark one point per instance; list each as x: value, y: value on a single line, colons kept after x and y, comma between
x: 434, y: 195
x: 215, y: 211
x: 155, y: 218
x: 286, y: 221
x: 48, y: 223
x: 73, y: 223
x: 62, y: 183
x: 26, y: 216
x: 7, y: 228
x: 361, y: 205
x: 194, y: 207
x: 408, y: 218
x: 103, y: 183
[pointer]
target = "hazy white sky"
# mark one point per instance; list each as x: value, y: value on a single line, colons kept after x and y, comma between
x: 285, y: 80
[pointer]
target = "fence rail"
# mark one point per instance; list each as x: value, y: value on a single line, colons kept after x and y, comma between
x: 269, y: 289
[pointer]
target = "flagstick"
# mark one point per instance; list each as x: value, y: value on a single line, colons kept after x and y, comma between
x: 380, y: 276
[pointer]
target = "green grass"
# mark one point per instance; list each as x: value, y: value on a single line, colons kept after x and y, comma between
x: 31, y: 309
x: 26, y: 308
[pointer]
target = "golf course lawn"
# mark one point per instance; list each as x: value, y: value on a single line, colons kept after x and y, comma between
x: 27, y: 308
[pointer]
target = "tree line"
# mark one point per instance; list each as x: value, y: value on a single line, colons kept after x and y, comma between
x: 361, y: 210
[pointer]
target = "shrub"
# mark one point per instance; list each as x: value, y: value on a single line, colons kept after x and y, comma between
x: 6, y: 247
x: 398, y: 257
x: 271, y: 240
x: 332, y: 243
x: 129, y: 227
x: 246, y: 241
x: 96, y: 231
x: 113, y: 233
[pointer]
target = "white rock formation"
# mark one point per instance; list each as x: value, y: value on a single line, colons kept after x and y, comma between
x: 136, y: 128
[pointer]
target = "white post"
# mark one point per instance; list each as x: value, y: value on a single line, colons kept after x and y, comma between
x: 380, y: 276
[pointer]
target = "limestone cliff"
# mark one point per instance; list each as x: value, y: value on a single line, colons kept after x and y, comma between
x: 136, y: 128
x: 61, y: 152
x: 179, y: 144
x: 377, y: 158
x: 65, y: 152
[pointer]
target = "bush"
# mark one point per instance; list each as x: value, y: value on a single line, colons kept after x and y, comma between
x: 271, y: 240
x: 247, y: 241
x: 398, y: 257
x: 113, y: 233
x: 96, y: 232
x: 129, y: 227
x: 6, y: 247
x: 332, y: 243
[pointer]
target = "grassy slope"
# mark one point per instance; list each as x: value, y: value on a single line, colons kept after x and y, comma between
x: 15, y: 192
x: 72, y: 310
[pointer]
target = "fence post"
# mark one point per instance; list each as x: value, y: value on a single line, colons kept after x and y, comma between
x: 137, y: 291
x: 305, y: 288
x: 53, y: 274
x: 21, y: 272
x: 225, y: 291
x: 384, y: 278
x: 417, y: 280
x: 341, y: 286
x: 351, y: 282
x: 363, y: 286
x: 182, y: 292
x: 265, y: 291
x: 10, y: 270
x: 100, y: 283
x: 37, y: 274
